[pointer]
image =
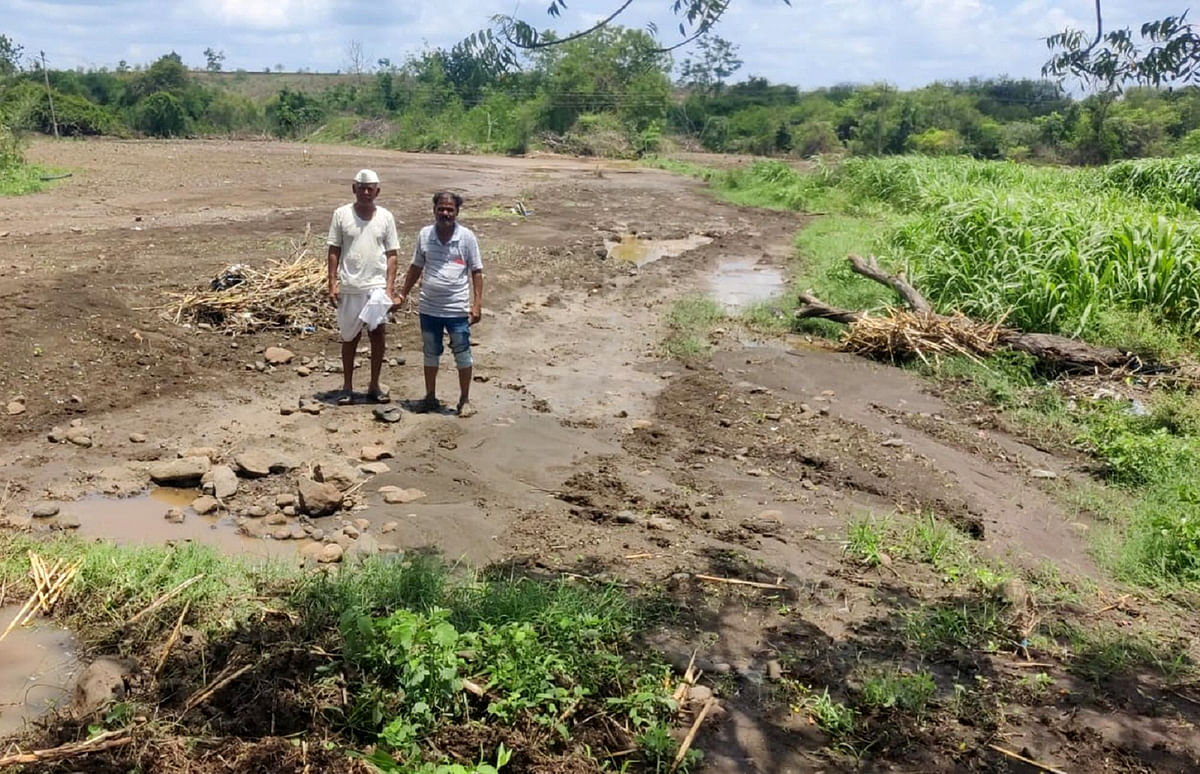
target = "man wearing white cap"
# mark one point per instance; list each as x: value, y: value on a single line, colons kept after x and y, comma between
x: 363, y: 245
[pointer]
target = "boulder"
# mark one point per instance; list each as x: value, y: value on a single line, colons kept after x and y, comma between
x: 43, y: 510
x: 256, y: 463
x: 330, y: 553
x: 318, y: 498
x: 183, y: 472
x: 278, y: 355
x: 204, y: 505
x: 100, y: 684
x: 335, y: 472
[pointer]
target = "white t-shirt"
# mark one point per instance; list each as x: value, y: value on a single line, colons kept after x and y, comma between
x: 446, y: 270
x: 362, y: 266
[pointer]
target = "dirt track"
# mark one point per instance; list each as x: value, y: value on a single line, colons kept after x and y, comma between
x: 591, y: 454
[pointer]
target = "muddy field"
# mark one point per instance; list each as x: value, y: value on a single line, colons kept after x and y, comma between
x: 591, y: 455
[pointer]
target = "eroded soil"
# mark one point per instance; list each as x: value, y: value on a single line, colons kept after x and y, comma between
x: 592, y: 456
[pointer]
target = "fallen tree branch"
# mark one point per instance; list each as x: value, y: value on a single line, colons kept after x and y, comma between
x: 1026, y: 761
x: 870, y: 269
x: 691, y: 735
x: 106, y: 741
x: 739, y: 582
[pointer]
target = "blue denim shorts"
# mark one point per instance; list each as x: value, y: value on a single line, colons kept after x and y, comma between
x: 432, y: 330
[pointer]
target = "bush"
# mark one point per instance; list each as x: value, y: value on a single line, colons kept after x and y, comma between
x: 76, y: 117
x: 161, y: 115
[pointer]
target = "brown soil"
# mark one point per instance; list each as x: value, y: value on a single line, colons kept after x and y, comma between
x: 592, y: 454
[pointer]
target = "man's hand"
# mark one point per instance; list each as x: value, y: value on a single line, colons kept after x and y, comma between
x: 333, y: 293
x: 476, y: 314
x: 398, y: 300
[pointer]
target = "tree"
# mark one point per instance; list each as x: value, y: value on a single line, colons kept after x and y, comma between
x: 10, y: 56
x: 508, y: 36
x: 355, y: 58
x: 717, y: 61
x: 1165, y: 50
x: 214, y: 60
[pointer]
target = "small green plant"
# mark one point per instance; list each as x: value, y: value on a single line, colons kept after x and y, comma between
x: 865, y: 541
x: 833, y: 717
x: 905, y: 691
x: 690, y: 322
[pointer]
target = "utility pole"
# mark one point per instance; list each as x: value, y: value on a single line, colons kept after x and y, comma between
x: 49, y: 94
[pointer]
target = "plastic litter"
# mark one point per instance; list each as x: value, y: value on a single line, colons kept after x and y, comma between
x: 379, y: 304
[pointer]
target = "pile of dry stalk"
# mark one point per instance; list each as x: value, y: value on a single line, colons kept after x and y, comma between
x: 901, y: 334
x: 289, y: 295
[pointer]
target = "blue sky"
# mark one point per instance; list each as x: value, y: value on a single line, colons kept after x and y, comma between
x: 809, y: 43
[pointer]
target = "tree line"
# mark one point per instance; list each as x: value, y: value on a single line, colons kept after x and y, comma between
x: 613, y: 92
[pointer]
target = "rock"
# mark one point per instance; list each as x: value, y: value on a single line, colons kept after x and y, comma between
x: 175, y: 515
x: 758, y: 473
x: 275, y: 519
x: 317, y: 534
x: 375, y: 453
x: 224, y: 481
x: 318, y: 498
x: 205, y: 505
x: 80, y: 436
x: 661, y: 523
x: 311, y: 551
x: 15, y: 407
x: 256, y: 463
x: 388, y: 528
x: 1043, y: 474
x: 374, y: 468
x: 297, y: 532
x: 335, y: 472
x: 362, y: 524
x: 183, y: 472
x: 330, y: 553
x: 147, y: 453
x: 626, y: 517
x: 351, y: 531
x: 43, y: 510
x: 698, y: 694
x: 56, y: 435
x: 287, y: 409
x: 894, y: 442
x: 101, y: 683
x: 137, y: 438
x: 278, y: 355
x: 67, y: 521
x: 304, y: 371
x: 256, y: 511
x: 395, y: 495
x: 284, y: 499
x: 310, y: 406
x: 289, y: 510
x: 201, y: 451
x: 774, y: 670
x: 1013, y: 593
x: 365, y: 546
x: 332, y: 427
x: 641, y: 424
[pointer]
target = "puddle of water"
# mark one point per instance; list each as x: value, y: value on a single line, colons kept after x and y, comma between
x: 37, y: 670
x: 739, y: 283
x: 139, y: 521
x: 633, y: 249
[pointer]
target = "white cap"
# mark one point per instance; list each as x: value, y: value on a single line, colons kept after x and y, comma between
x: 366, y: 176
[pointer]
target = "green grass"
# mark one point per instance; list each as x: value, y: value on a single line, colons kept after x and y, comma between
x: 689, y: 323
x: 24, y: 179
x: 893, y: 689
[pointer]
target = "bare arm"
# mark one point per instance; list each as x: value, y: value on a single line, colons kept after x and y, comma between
x: 335, y: 255
x: 476, y: 297
x: 410, y: 278
x: 391, y: 273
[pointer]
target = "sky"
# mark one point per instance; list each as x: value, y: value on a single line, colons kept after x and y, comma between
x: 809, y: 43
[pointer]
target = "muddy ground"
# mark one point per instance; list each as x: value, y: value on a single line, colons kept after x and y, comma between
x: 593, y: 454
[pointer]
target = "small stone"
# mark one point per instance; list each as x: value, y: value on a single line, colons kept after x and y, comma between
x: 1043, y: 474
x: 284, y: 499
x: 282, y: 533
x: 175, y: 515
x: 331, y: 553
x: 304, y: 371
x: 205, y: 505
x: 137, y: 438
x: 278, y: 355
x: 313, y: 407
x: 374, y: 468
x: 56, y: 435
x: 698, y: 694
x: 758, y: 473
x: 317, y: 534
x: 375, y: 453
x: 332, y: 427
x: 80, y: 437
x: 362, y: 524
x: 289, y: 510
x: 275, y: 519
x: 894, y: 442
x: 224, y: 481
x: 335, y: 472
x: 15, y: 407
x: 661, y: 523
x: 388, y: 528
x: 626, y: 517
x: 641, y: 424
x: 287, y: 409
x: 256, y: 463
x: 256, y: 511
x: 351, y: 531
x: 396, y: 495
x: 43, y: 510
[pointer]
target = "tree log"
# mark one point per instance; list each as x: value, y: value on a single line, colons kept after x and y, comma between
x: 1058, y: 354
x: 870, y: 269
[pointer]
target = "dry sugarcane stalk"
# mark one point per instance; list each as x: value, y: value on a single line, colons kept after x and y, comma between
x: 162, y: 661
x: 164, y: 598
x: 106, y: 741
x: 21, y: 614
x: 739, y: 582
x: 691, y: 735
x: 217, y: 684
x: 1026, y: 761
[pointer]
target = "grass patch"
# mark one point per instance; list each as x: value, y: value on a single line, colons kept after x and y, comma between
x: 690, y: 322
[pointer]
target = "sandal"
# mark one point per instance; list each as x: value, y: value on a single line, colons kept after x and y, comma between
x: 465, y: 409
x: 379, y: 396
x: 345, y: 398
x: 428, y: 405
